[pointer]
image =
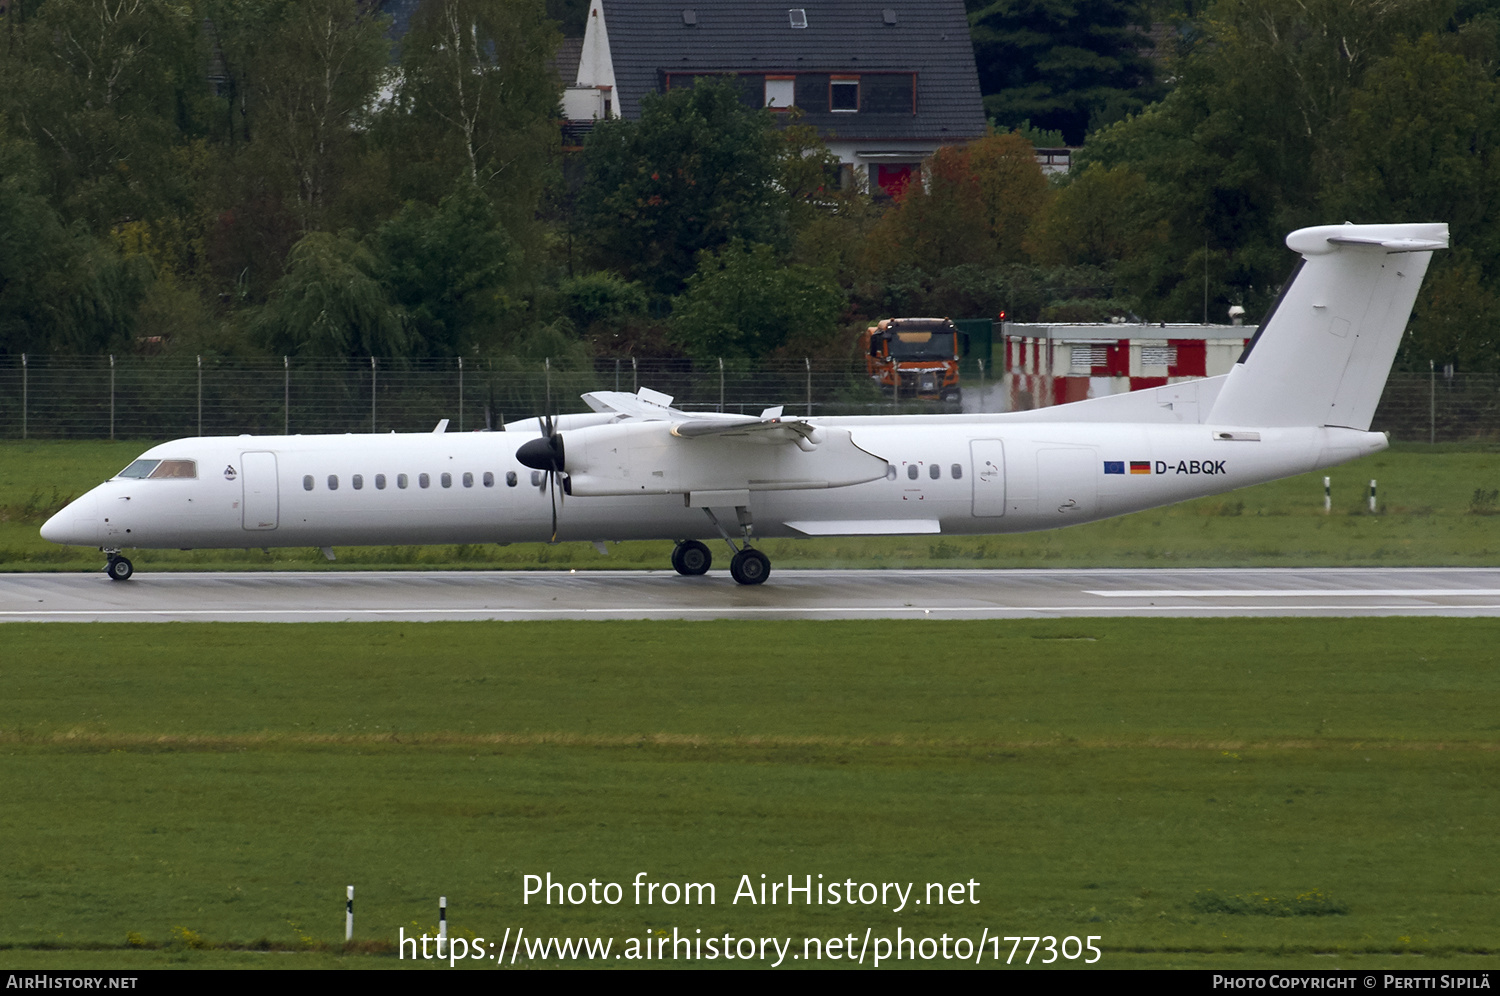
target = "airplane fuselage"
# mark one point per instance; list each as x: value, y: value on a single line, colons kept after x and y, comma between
x: 952, y: 475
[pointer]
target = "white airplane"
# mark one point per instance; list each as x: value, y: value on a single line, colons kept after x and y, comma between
x: 1300, y: 398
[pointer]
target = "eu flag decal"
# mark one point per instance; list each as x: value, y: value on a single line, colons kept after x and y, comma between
x: 1114, y: 466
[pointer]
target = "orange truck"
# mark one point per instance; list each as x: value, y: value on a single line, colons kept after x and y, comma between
x: 915, y: 358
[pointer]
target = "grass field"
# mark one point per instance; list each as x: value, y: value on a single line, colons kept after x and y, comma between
x: 1437, y: 507
x: 1224, y: 793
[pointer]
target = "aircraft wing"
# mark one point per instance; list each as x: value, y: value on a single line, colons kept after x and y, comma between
x: 647, y: 405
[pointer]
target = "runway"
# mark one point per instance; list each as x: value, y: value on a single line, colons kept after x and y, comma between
x: 418, y: 596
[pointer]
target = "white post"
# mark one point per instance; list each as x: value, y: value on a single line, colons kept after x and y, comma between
x: 200, y: 395
x: 1372, y: 497
x: 286, y: 396
x: 349, y: 915
x: 442, y: 921
x: 721, y: 383
x: 25, y: 393
x: 1327, y: 495
x: 460, y: 394
x: 981, y: 385
x: 111, y: 397
x: 373, y: 375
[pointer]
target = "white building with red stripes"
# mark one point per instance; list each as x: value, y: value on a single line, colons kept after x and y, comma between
x: 1049, y: 365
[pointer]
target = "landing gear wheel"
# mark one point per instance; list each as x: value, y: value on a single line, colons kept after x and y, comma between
x: 750, y: 567
x: 691, y: 558
x: 119, y: 569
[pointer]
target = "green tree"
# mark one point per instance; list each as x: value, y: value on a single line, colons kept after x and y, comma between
x: 303, y: 74
x: 61, y: 289
x: 1068, y: 65
x: 744, y: 302
x: 330, y: 303
x: 447, y: 268
x: 476, y: 100
x: 104, y: 90
x: 696, y: 171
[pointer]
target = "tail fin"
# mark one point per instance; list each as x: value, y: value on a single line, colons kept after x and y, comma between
x: 1324, y: 350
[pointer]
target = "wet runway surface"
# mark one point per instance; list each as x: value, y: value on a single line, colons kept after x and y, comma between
x: 357, y: 596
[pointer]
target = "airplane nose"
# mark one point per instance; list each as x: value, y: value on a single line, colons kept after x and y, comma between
x: 77, y: 524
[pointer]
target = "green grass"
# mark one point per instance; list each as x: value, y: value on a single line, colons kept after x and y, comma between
x: 175, y: 794
x: 1436, y: 508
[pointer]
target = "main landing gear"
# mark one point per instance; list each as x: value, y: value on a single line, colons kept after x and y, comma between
x: 691, y: 558
x: 117, y: 567
x: 748, y: 566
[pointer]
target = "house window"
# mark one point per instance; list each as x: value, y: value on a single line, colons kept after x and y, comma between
x: 843, y: 94
x: 780, y: 92
x: 892, y: 178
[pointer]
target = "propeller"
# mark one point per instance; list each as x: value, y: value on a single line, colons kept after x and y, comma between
x: 546, y: 453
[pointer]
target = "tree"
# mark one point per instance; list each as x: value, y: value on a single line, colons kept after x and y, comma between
x: 1233, y: 155
x: 330, y: 303
x: 696, y: 171
x: 744, y: 302
x: 974, y: 206
x: 103, y: 89
x: 61, y: 289
x: 447, y: 268
x: 1069, y: 65
x: 305, y: 74
x: 476, y: 100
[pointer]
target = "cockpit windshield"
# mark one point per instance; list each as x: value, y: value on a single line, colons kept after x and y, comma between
x: 161, y: 468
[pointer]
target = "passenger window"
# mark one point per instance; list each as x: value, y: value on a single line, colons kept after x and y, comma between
x: 510, y: 478
x: 423, y: 481
x: 307, y: 482
x: 379, y: 482
x: 890, y: 472
x: 447, y: 480
x: 958, y: 471
x: 468, y: 479
x: 358, y: 481
x: 401, y: 481
x: 536, y: 478
x: 935, y: 472
x: 911, y: 471
x: 489, y: 479
x: 333, y: 482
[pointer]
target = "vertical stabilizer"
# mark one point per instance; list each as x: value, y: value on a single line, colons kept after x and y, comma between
x: 1322, y: 354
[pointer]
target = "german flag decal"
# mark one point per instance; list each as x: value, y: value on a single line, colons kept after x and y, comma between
x: 1140, y: 466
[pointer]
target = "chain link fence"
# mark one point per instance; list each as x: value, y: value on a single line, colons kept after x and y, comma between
x: 131, y: 397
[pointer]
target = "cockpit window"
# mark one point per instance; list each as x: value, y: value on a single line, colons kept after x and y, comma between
x: 141, y: 468
x: 175, y: 468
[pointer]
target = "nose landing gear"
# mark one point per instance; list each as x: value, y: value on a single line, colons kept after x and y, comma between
x: 117, y: 567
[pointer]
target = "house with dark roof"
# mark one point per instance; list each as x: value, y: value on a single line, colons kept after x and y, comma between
x: 885, y: 82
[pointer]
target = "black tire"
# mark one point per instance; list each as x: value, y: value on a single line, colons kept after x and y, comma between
x: 119, y: 569
x: 750, y: 567
x: 691, y: 558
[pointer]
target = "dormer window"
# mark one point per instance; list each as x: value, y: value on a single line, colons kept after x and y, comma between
x: 781, y: 92
x: 843, y: 94
x: 798, y: 16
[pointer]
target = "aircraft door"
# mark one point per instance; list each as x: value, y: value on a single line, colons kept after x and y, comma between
x: 261, y: 501
x: 988, y: 456
x: 1067, y: 482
